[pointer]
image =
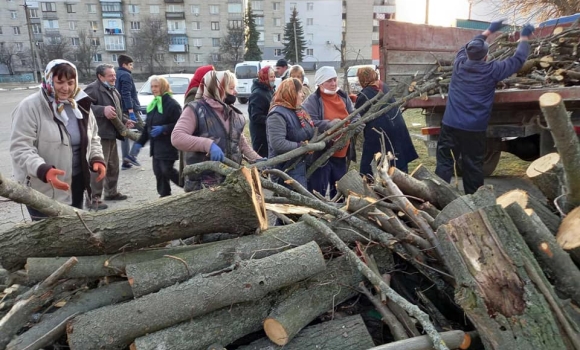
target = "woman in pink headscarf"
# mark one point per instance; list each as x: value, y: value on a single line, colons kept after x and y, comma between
x: 194, y: 83
x: 258, y: 107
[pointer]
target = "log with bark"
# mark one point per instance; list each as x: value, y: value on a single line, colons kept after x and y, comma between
x: 454, y: 339
x: 252, y: 281
x: 548, y: 175
x: 531, y: 204
x: 568, y: 235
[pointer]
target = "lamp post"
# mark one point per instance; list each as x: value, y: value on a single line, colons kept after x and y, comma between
x: 29, y: 26
x: 426, y: 11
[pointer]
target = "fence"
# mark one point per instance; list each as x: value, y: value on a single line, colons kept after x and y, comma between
x: 17, y: 78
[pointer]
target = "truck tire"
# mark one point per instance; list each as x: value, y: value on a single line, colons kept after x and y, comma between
x: 242, y: 100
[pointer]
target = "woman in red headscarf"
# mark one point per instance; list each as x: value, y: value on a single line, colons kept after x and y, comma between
x: 194, y: 83
x: 262, y: 93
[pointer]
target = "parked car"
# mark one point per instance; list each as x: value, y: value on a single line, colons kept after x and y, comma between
x: 178, y: 83
x: 353, y: 79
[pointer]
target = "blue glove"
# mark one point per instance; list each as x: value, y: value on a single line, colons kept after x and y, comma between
x: 527, y: 30
x: 136, y: 149
x: 132, y: 116
x: 156, y: 130
x: 215, y: 153
x: 261, y: 160
x: 495, y: 26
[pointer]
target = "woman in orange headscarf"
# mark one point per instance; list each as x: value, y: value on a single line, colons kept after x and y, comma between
x: 288, y: 126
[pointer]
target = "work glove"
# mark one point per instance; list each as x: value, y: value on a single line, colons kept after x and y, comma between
x: 51, y: 178
x: 359, y: 129
x: 215, y: 153
x: 495, y: 26
x: 100, y: 169
x: 132, y: 116
x: 135, y: 149
x: 156, y: 130
x: 527, y: 30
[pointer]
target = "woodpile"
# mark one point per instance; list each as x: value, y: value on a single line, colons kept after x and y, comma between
x: 399, y: 261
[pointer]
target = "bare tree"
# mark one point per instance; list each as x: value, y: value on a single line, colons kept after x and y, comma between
x: 85, y: 53
x: 54, y: 50
x: 232, y: 46
x: 149, y: 42
x: 538, y: 9
x: 11, y: 56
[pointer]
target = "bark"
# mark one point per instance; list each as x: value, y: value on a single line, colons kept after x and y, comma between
x: 197, y: 296
x: 442, y: 192
x: 483, y: 197
x: 28, y: 196
x: 531, y: 204
x: 487, y: 255
x: 52, y: 326
x: 568, y: 236
x: 124, y: 131
x: 231, y: 208
x: 28, y: 303
x: 389, y: 319
x: 338, y: 283
x: 353, y: 182
x: 555, y: 262
x: 223, y: 326
x: 98, y: 266
x: 453, y: 339
x: 548, y: 175
x: 349, y: 333
x: 567, y: 144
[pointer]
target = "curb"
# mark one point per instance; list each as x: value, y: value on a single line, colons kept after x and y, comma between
x: 20, y: 88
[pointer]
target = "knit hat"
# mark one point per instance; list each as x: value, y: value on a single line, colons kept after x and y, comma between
x: 477, y: 49
x: 323, y: 74
x: 282, y: 63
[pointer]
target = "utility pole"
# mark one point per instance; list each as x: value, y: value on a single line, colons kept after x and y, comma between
x: 426, y: 11
x: 295, y: 39
x: 29, y: 26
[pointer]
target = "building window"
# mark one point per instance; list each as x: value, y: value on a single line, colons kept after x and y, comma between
x: 133, y: 9
x: 292, y: 5
x: 175, y: 25
x: 95, y: 42
x: 234, y: 8
x: 309, y: 52
x: 277, y: 52
x: 72, y: 25
x: 1, y: 33
x: 277, y: 38
x: 178, y: 40
x: 153, y: 9
x: 48, y: 6
x: 309, y: 38
x: 75, y: 41
x: 195, y: 10
x: 53, y: 40
x: 215, y: 25
x: 16, y: 30
x: 91, y: 8
x: 197, y: 43
x: 196, y: 25
x: 94, y: 25
x: 97, y: 57
x: 135, y: 25
x: 50, y: 24
x: 111, y: 7
x: 13, y: 14
x: 197, y: 57
x: 277, y: 22
x: 114, y: 57
x: 36, y: 29
x: 276, y: 6
x: 178, y: 58
x: 309, y: 6
x: 19, y: 46
x: 159, y: 56
x: 174, y: 8
x: 257, y: 5
x: 259, y: 21
x: 237, y: 23
x: 215, y: 42
x: 216, y: 57
x: 309, y: 21
x: 70, y: 8
x: 33, y: 13
x: 214, y: 9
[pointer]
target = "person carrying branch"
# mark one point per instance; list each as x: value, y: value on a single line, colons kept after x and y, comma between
x: 469, y: 104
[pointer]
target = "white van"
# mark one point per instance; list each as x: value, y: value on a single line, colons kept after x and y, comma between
x: 246, y: 72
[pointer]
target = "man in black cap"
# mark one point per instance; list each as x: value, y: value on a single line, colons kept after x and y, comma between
x: 282, y: 69
x: 469, y: 104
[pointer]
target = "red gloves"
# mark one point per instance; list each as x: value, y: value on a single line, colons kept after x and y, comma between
x: 51, y: 178
x: 101, y: 170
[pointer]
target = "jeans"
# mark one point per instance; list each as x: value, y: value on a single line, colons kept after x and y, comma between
x: 111, y: 156
x: 328, y: 174
x: 164, y: 173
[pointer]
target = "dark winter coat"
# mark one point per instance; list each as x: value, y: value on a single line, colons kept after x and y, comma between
x: 398, y: 140
x: 161, y: 147
x: 126, y: 87
x: 258, y: 107
x: 102, y: 97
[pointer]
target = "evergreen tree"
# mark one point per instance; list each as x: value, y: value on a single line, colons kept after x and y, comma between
x: 253, y: 52
x: 294, y: 43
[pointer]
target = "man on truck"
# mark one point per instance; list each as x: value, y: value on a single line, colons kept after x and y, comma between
x: 470, y: 100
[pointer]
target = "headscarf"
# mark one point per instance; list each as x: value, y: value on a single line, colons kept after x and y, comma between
x: 212, y: 85
x: 198, y: 76
x: 323, y: 74
x: 264, y: 76
x: 367, y: 76
x: 287, y: 96
x: 58, y: 105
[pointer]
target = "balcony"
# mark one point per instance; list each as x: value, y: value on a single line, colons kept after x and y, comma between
x: 37, y: 37
x: 112, y: 14
x: 115, y: 47
x: 174, y: 1
x: 178, y: 48
x: 174, y: 15
x: 49, y: 15
x: 34, y: 20
x: 235, y: 15
x: 114, y: 31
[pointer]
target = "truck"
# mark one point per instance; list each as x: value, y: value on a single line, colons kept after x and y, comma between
x: 516, y: 124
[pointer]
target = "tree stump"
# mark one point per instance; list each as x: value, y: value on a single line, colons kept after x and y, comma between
x: 483, y: 197
x: 568, y: 236
x: 548, y: 175
x: 531, y: 204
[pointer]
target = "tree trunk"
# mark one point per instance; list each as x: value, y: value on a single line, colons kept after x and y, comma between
x: 555, y: 263
x: 531, y: 204
x: 121, y: 324
x: 223, y: 326
x: 482, y: 198
x: 150, y: 276
x: 548, y: 175
x: 316, y: 296
x: 349, y: 333
x: 569, y: 234
x: 493, y: 287
x: 441, y: 193
x: 453, y: 339
x: 124, y: 131
x: 231, y: 208
x: 567, y: 144
x: 53, y: 325
x: 352, y: 181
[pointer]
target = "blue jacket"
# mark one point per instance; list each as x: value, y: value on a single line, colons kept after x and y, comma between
x: 472, y: 87
x: 126, y: 88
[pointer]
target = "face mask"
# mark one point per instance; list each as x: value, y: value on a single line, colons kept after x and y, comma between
x: 329, y: 92
x: 230, y: 99
x: 272, y: 83
x: 107, y: 85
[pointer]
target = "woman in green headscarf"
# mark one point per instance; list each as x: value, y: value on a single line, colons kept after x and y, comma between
x: 162, y: 114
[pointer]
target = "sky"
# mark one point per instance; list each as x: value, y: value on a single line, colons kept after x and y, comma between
x: 441, y: 12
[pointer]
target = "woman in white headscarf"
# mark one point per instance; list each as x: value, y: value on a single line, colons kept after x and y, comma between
x: 211, y: 128
x: 54, y: 142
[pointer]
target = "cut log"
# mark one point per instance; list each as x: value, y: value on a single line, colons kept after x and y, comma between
x: 493, y: 286
x: 568, y: 236
x: 546, y: 61
x: 483, y: 197
x: 442, y: 193
x: 230, y: 208
x: 348, y: 333
x: 453, y: 339
x: 223, y: 326
x: 98, y: 266
x: 318, y: 295
x: 526, y: 201
x: 52, y: 326
x: 566, y: 142
x: 150, y: 276
x: 353, y: 182
x: 555, y: 263
x: 116, y: 326
x: 547, y: 174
